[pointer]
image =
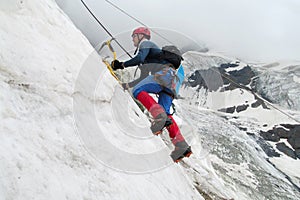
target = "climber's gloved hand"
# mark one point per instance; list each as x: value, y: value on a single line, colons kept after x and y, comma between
x: 115, y: 64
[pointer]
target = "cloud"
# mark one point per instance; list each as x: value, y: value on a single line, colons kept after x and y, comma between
x: 252, y: 30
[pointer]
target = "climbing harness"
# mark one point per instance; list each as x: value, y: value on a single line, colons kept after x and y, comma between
x: 135, y: 19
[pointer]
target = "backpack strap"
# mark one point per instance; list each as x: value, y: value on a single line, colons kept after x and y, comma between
x: 169, y: 93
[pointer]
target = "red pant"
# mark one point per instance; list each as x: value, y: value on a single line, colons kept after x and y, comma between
x: 155, y: 109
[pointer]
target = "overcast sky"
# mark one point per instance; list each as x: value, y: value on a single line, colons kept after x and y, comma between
x: 252, y: 30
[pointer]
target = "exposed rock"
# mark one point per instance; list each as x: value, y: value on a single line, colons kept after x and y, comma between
x: 282, y: 133
x: 243, y: 77
x: 268, y: 149
x: 286, y: 150
x: 209, y: 79
x: 196, y: 79
x: 270, y: 136
x: 241, y: 108
x: 228, y: 110
x: 256, y: 104
x: 290, y: 126
x: 297, y: 152
x: 214, y: 78
x: 291, y: 132
x: 294, y: 139
x: 228, y: 65
x: 243, y: 128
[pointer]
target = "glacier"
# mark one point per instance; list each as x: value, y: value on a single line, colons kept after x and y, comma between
x: 68, y: 130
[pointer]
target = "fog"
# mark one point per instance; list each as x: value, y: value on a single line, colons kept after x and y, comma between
x: 250, y: 30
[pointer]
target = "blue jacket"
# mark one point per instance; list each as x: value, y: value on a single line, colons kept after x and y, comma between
x: 149, y: 56
x: 148, y: 53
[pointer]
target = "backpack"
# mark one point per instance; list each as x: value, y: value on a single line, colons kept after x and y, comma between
x: 170, y: 78
x: 171, y: 54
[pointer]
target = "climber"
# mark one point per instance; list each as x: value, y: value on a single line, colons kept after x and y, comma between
x: 161, y: 64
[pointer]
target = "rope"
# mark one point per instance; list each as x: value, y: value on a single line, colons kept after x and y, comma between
x: 140, y: 22
x: 135, y: 19
x: 256, y: 95
x: 105, y: 29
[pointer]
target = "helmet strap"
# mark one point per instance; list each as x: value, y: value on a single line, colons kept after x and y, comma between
x: 138, y: 44
x: 136, y: 50
x: 140, y: 39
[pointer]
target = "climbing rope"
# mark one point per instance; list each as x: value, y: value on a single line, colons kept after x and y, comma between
x: 105, y: 29
x: 135, y: 19
x: 255, y: 94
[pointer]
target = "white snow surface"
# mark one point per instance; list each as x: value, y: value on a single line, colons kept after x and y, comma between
x: 42, y: 157
x: 68, y: 130
x: 253, y: 119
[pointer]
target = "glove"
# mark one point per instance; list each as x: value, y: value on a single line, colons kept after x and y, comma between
x: 115, y: 64
x: 125, y: 86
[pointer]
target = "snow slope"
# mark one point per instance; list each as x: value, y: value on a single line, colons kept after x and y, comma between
x: 68, y: 131
x: 231, y: 142
x: 42, y: 156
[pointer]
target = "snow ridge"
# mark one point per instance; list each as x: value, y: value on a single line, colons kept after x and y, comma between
x: 41, y: 156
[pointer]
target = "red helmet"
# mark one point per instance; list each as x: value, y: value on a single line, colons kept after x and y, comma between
x: 142, y: 30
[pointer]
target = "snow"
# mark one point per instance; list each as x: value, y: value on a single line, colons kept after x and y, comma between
x: 283, y: 87
x: 68, y: 130
x: 42, y: 156
x: 236, y: 167
x: 292, y: 169
x: 296, y: 78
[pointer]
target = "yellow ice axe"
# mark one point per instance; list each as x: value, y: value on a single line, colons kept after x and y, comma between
x: 108, y: 44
